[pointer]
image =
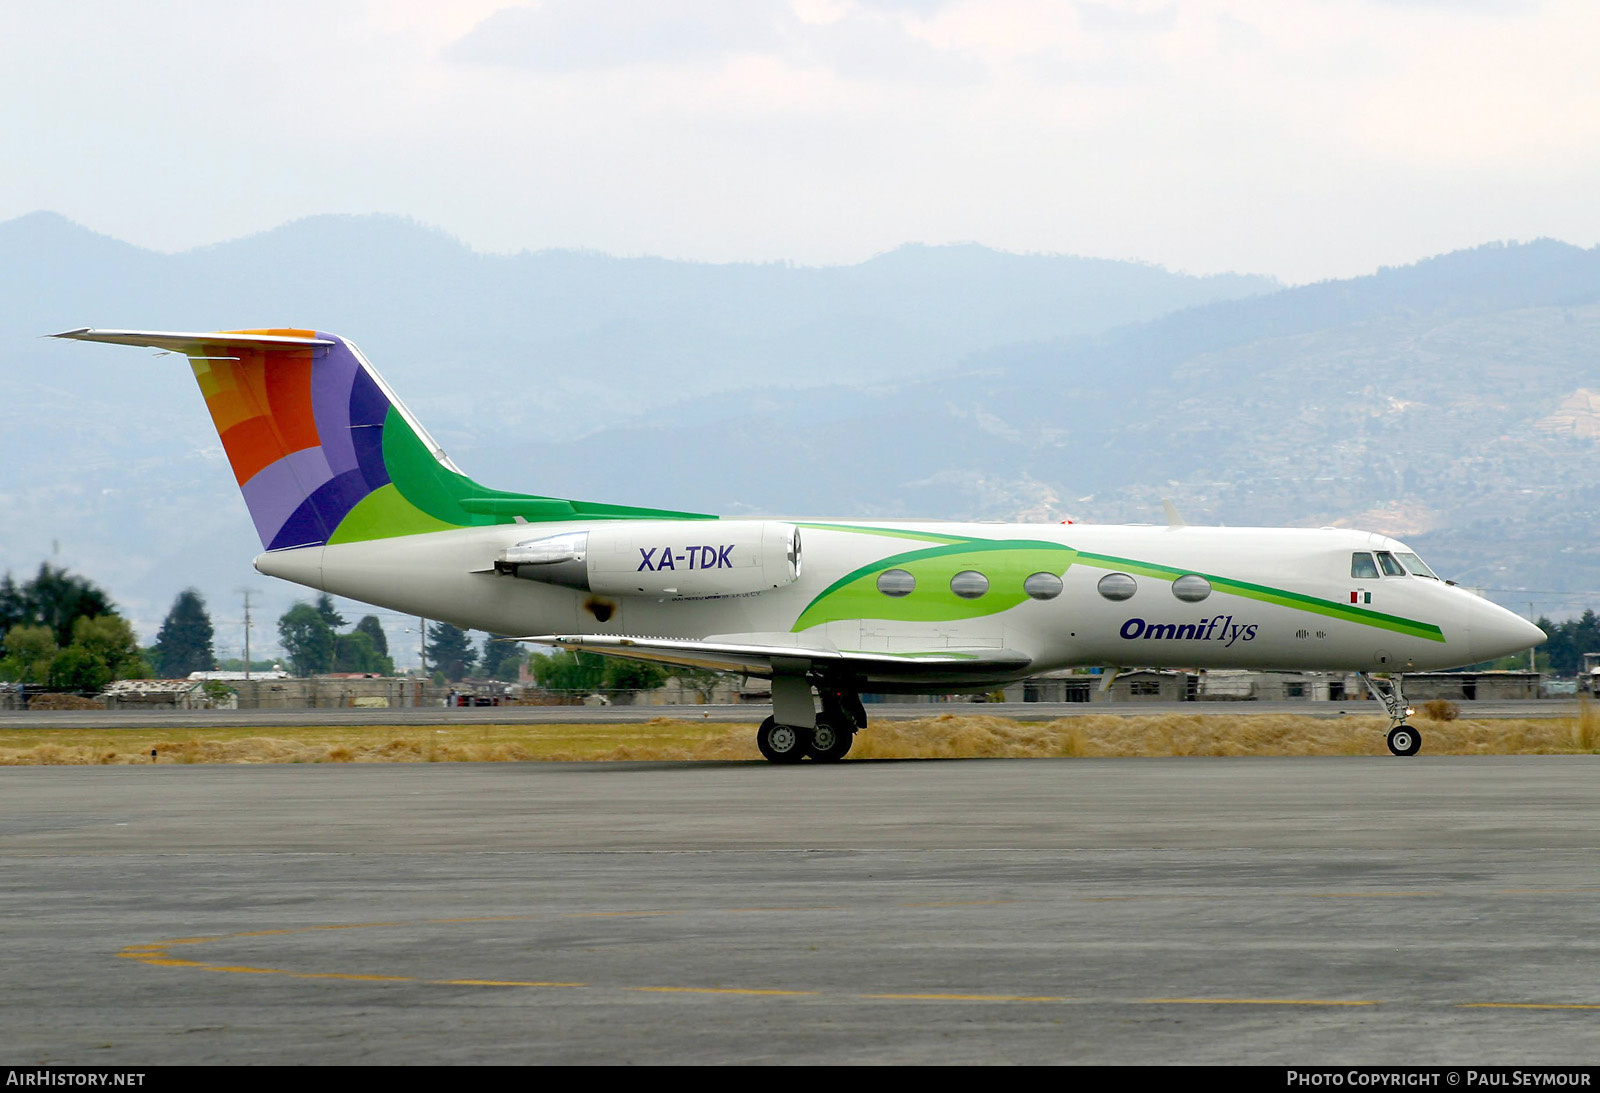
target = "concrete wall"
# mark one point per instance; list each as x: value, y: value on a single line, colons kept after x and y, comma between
x: 1150, y: 686
x: 1471, y: 686
x: 1220, y: 686
x: 325, y: 692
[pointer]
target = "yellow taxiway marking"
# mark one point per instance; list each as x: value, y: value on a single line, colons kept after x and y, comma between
x: 159, y: 954
x: 1529, y: 1006
x: 1366, y: 895
x: 1145, y: 899
x: 968, y: 997
x: 503, y: 983
x: 1256, y: 1002
x: 718, y: 990
x: 1176, y: 896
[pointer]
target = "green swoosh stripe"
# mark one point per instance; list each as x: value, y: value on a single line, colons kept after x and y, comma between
x: 954, y: 544
x: 892, y: 533
x: 1007, y: 562
x: 1277, y: 596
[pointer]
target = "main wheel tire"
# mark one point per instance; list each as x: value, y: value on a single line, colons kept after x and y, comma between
x: 1404, y: 740
x: 782, y: 743
x: 829, y: 744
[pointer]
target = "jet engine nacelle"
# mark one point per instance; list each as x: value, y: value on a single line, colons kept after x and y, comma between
x: 666, y: 558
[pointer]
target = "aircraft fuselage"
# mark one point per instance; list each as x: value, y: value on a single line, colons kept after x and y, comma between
x: 1267, y: 598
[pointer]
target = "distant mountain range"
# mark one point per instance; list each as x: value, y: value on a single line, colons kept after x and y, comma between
x: 567, y: 330
x: 1455, y: 401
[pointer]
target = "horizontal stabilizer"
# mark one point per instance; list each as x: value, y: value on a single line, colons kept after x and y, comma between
x: 181, y: 342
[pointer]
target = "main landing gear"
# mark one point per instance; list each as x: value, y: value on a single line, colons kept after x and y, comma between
x: 782, y: 743
x: 829, y: 736
x: 1403, y: 739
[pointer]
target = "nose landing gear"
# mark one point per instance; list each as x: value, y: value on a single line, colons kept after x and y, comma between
x: 1403, y: 739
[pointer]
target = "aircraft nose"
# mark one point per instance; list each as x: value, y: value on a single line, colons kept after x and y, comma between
x: 1492, y: 631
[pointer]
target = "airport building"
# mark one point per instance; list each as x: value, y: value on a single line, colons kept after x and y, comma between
x: 1150, y: 685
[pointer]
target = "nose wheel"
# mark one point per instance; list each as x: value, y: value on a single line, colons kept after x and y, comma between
x: 1404, y: 740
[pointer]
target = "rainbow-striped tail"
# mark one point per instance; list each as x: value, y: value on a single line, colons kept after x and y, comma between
x: 324, y: 452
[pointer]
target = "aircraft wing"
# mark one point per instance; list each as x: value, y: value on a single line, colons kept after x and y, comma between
x: 756, y: 659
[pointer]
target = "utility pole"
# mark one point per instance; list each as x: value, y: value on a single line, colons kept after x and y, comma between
x: 1532, y: 662
x: 247, y: 634
x: 422, y: 645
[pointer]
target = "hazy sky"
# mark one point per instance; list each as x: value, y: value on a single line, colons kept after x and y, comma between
x: 1302, y: 138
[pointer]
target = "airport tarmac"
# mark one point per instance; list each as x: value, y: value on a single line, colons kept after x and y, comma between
x: 1337, y: 911
x: 752, y: 713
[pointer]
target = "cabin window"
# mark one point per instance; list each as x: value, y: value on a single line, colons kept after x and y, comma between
x: 896, y: 582
x: 969, y: 584
x: 1415, y: 564
x: 1391, y: 566
x: 1191, y: 588
x: 1042, y: 586
x: 1362, y: 567
x: 1117, y: 586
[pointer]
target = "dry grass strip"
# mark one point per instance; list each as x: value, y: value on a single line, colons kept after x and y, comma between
x: 942, y: 736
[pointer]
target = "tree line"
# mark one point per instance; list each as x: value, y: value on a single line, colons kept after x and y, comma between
x: 314, y: 642
x: 1568, y: 642
x: 61, y: 631
x: 585, y: 673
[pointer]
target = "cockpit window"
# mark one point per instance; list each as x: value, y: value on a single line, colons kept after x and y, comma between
x: 1415, y: 564
x: 1391, y: 567
x: 1362, y: 566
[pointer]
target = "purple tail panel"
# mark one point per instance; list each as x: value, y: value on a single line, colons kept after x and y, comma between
x: 303, y: 428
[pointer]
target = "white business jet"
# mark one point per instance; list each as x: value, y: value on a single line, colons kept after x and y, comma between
x: 350, y: 495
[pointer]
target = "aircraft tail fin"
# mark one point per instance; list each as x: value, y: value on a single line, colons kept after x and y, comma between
x: 325, y: 452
